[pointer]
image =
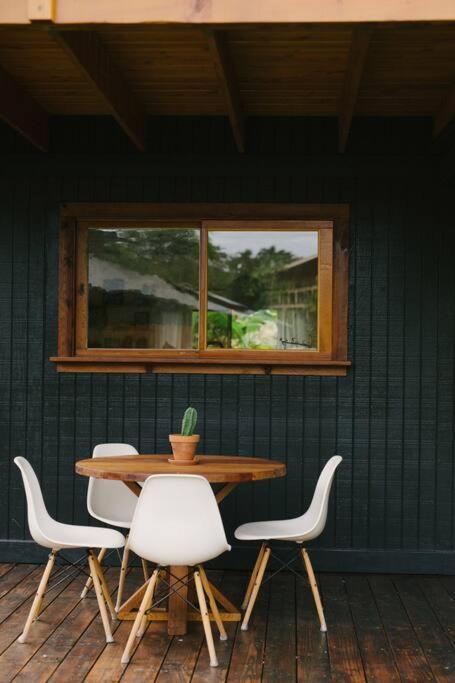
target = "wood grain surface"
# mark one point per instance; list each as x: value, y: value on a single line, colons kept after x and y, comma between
x: 215, y: 468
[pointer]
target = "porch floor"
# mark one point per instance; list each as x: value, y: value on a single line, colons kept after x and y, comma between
x: 381, y: 628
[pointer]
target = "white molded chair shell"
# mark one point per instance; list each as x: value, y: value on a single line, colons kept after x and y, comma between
x: 304, y: 528
x: 108, y: 500
x: 177, y: 521
x: 52, y: 534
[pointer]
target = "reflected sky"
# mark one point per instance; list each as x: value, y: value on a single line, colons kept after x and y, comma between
x: 301, y: 244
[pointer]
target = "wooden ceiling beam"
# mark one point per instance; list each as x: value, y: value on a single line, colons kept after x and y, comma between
x: 446, y: 112
x: 90, y: 55
x: 219, y: 51
x: 357, y: 56
x: 22, y: 112
x: 218, y: 12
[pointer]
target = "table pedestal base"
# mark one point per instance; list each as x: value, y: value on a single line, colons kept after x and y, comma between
x: 178, y: 612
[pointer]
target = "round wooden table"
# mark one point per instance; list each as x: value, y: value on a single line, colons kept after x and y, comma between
x: 217, y: 469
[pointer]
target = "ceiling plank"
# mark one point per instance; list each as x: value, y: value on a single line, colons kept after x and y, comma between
x: 219, y: 51
x: 446, y: 112
x: 22, y: 112
x: 92, y: 58
x: 357, y: 56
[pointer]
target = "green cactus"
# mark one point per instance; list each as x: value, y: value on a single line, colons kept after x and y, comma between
x: 189, y: 422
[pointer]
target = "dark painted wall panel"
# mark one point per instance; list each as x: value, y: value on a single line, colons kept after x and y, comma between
x: 391, y: 417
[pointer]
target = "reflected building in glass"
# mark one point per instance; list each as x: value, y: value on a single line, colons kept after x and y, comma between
x: 273, y: 274
x: 143, y: 288
x: 295, y: 300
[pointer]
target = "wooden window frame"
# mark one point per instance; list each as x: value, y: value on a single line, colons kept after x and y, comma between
x: 331, y: 221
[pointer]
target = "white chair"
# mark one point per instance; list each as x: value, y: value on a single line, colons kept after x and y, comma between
x: 56, y: 536
x: 299, y: 530
x: 177, y: 522
x: 113, y: 503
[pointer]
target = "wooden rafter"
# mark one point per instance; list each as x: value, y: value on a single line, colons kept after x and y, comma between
x: 22, y: 112
x: 92, y: 58
x: 446, y: 112
x: 357, y: 56
x: 219, y: 50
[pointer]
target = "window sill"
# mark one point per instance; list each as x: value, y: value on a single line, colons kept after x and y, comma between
x: 141, y: 365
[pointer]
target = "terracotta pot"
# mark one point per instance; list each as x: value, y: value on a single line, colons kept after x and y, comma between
x: 184, y: 447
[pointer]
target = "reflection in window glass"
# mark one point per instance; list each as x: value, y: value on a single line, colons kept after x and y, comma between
x: 143, y: 288
x: 262, y: 290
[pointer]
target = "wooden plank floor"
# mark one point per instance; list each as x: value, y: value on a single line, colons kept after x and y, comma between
x: 381, y: 628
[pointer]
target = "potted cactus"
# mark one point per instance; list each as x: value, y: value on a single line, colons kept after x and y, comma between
x: 184, y: 445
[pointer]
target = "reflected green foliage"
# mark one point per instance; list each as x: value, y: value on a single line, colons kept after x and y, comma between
x: 195, y: 328
x: 243, y: 277
x: 219, y: 329
x: 246, y: 327
x: 172, y: 254
x: 225, y: 330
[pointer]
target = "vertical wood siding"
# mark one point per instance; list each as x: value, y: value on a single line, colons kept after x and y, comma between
x: 391, y: 418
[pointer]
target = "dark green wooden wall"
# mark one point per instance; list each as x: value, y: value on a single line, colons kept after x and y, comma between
x: 391, y: 418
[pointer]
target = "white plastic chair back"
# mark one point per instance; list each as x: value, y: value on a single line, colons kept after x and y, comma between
x: 177, y: 521
x: 316, y: 515
x: 108, y: 500
x: 39, y: 521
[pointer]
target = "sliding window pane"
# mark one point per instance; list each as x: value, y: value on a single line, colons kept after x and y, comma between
x: 262, y: 290
x: 143, y: 288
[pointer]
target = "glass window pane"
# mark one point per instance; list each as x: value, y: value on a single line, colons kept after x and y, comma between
x: 262, y: 290
x: 143, y: 288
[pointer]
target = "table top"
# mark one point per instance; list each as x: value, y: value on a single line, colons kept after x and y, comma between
x: 215, y: 468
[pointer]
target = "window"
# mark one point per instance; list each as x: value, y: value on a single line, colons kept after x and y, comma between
x: 203, y: 288
x: 143, y: 287
x: 262, y: 289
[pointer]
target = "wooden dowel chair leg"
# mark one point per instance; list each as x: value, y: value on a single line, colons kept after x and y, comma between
x: 89, y: 582
x: 148, y: 596
x: 121, y: 581
x: 104, y: 587
x: 145, y: 569
x: 205, y: 619
x: 256, y: 586
x: 100, y: 598
x: 143, y: 625
x: 38, y: 601
x: 213, y: 605
x: 314, y: 589
x: 254, y: 573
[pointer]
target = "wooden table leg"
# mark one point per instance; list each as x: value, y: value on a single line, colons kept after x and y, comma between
x: 225, y: 491
x: 133, y: 487
x: 178, y: 609
x: 177, y: 616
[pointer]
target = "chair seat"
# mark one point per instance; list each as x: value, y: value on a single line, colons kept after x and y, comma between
x: 166, y: 559
x: 280, y: 530
x: 120, y: 523
x: 75, y: 536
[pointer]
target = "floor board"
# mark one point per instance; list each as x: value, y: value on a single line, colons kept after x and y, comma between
x: 377, y: 656
x: 409, y: 655
x: 381, y: 629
